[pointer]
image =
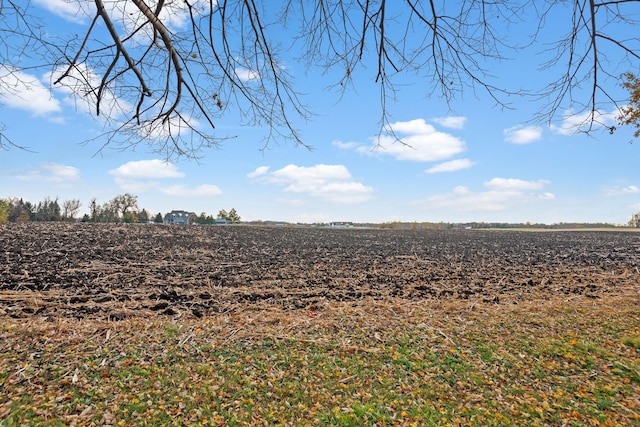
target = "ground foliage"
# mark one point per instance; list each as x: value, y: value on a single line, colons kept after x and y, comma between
x: 282, y: 326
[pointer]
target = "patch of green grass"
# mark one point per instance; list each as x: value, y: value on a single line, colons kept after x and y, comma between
x: 633, y: 342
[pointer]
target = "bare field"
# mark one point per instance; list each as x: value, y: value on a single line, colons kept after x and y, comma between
x: 112, y: 272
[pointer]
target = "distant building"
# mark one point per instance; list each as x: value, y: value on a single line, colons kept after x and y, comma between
x: 180, y: 217
x: 220, y: 221
x: 341, y: 224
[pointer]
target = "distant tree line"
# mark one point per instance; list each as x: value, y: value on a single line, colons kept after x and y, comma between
x: 121, y: 209
x: 18, y: 210
x: 397, y: 225
x: 124, y: 208
x: 230, y: 217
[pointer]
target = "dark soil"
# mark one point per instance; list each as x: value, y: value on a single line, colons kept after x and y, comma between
x: 110, y: 271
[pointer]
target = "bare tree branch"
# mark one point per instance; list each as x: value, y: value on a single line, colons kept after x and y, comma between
x: 155, y: 80
x: 586, y: 64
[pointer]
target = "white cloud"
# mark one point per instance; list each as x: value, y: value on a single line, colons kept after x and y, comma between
x: 51, y: 173
x: 58, y: 172
x: 623, y: 191
x: 512, y: 184
x: 26, y: 92
x: 29, y: 93
x: 414, y: 140
x: 148, y: 175
x: 451, y: 166
x: 73, y: 11
x: 501, y: 194
x: 412, y: 127
x: 261, y: 170
x: 167, y: 128
x: 345, y: 145
x: 452, y: 122
x: 575, y: 123
x: 332, y: 183
x: 523, y: 134
x: 340, y: 192
x: 79, y: 91
x: 310, y: 176
x: 245, y: 74
x: 149, y: 169
x: 174, y: 14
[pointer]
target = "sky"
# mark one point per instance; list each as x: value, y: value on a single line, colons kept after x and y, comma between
x: 466, y: 161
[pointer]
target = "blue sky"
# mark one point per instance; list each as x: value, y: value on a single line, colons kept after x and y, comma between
x: 466, y: 161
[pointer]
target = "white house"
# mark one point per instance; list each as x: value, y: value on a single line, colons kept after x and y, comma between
x: 180, y: 217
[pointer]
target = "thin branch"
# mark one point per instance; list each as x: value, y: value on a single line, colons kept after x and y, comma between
x: 116, y: 39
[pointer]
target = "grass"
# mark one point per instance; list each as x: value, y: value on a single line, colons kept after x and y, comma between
x: 369, y: 363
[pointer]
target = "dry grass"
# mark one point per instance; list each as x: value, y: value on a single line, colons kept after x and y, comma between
x: 569, y: 361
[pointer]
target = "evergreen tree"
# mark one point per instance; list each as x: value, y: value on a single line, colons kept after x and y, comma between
x: 233, y: 216
x: 48, y: 210
x: 143, y: 216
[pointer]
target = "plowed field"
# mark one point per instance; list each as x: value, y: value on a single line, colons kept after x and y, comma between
x: 108, y: 271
